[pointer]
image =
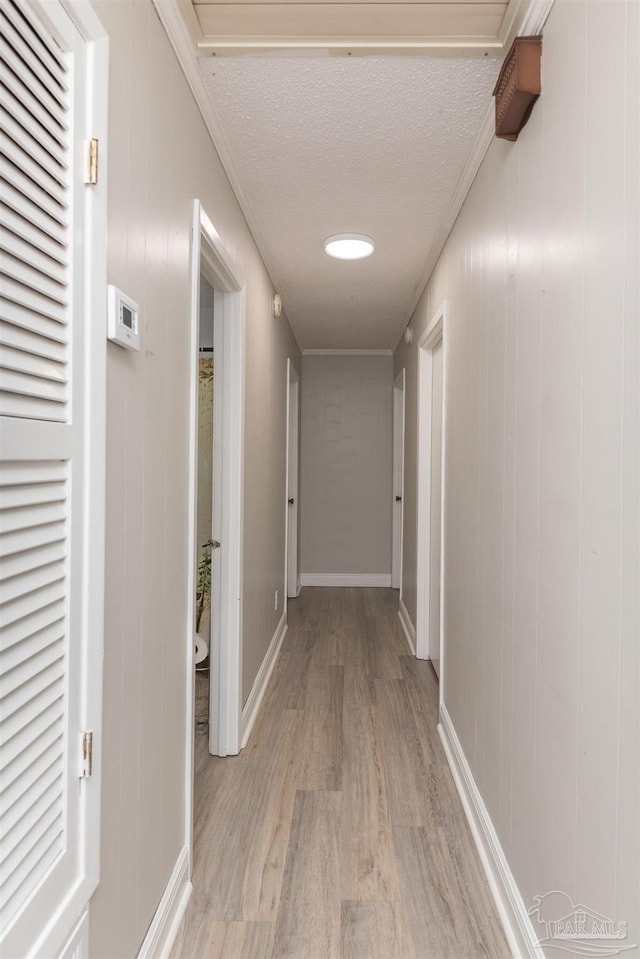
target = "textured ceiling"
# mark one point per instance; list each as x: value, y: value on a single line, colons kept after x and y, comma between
x: 356, y: 145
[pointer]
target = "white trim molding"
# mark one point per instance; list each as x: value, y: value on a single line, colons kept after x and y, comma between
x: 511, y: 908
x: 435, y: 333
x: 251, y: 708
x: 345, y: 579
x: 347, y: 352
x: 407, y: 626
x: 163, y: 930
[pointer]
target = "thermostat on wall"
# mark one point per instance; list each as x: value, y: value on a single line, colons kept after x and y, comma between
x: 122, y: 319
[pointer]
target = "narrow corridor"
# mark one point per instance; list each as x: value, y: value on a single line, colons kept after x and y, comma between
x: 338, y: 831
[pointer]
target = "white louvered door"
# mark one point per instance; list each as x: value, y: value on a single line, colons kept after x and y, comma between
x: 51, y: 473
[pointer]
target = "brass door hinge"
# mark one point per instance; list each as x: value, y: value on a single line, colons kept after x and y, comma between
x: 86, y: 755
x: 92, y: 163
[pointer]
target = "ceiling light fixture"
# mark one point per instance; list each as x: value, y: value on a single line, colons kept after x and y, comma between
x: 349, y: 246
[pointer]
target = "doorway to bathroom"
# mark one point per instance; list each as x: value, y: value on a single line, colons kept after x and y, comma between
x: 213, y: 551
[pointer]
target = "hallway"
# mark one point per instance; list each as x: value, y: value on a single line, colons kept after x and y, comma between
x: 338, y: 831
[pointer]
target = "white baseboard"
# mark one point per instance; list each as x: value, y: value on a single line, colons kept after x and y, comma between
x: 163, y: 930
x: 252, y: 706
x: 408, y: 627
x: 345, y: 579
x: 513, y: 914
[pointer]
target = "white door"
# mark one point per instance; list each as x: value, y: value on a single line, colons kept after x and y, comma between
x: 292, y: 481
x: 436, y: 507
x: 398, y: 480
x: 52, y: 374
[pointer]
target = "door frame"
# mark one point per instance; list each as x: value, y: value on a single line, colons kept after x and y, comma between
x: 435, y: 334
x: 292, y: 485
x: 397, y: 525
x: 210, y: 256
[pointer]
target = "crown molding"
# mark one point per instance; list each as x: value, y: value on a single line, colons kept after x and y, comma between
x: 183, y: 30
x: 535, y: 17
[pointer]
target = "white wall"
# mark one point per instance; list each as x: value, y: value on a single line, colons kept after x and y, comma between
x: 346, y: 464
x: 160, y: 159
x: 542, y: 521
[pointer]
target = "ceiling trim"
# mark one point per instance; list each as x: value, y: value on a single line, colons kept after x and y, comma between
x: 526, y: 22
x: 358, y: 45
x: 347, y: 352
x: 182, y: 28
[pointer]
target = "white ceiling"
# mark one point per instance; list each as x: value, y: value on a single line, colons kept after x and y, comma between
x: 324, y: 145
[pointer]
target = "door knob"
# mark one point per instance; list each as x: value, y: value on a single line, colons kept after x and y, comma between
x: 398, y: 499
x: 291, y: 501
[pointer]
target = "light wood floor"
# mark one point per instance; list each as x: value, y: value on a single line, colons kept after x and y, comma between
x: 338, y: 831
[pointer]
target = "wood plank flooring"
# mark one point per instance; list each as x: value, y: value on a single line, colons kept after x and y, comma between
x: 338, y: 833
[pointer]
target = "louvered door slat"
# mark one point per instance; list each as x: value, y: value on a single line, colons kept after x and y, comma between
x: 28, y: 560
x: 40, y: 75
x: 31, y: 472
x: 35, y: 665
x: 33, y: 579
x: 46, y: 47
x: 24, y: 385
x: 51, y: 715
x: 32, y: 771
x: 18, y: 632
x: 39, y: 41
x: 14, y: 184
x: 35, y: 143
x: 30, y: 407
x: 24, y: 251
x: 21, y: 227
x: 39, y: 491
x: 47, y: 695
x: 39, y: 809
x: 35, y: 140
x: 52, y: 358
x: 32, y: 300
x: 32, y: 645
x: 38, y: 366
x: 30, y: 209
x: 21, y: 607
x: 31, y: 343
x: 13, y: 153
x: 45, y: 845
x: 17, y: 79
x: 33, y: 279
x: 52, y: 119
x: 25, y: 319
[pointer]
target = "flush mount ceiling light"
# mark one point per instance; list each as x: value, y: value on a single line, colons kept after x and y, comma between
x: 349, y: 246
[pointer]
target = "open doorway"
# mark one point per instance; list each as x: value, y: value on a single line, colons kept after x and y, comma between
x: 213, y: 561
x: 292, y: 579
x: 431, y: 460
